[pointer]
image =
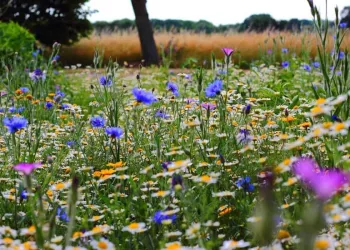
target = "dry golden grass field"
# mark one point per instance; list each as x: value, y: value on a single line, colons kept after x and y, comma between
x: 125, y: 46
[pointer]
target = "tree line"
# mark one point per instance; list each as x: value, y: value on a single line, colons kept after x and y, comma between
x: 257, y: 23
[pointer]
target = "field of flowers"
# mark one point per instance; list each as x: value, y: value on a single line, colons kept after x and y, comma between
x: 207, y: 159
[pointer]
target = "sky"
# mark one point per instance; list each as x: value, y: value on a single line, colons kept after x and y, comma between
x: 215, y: 11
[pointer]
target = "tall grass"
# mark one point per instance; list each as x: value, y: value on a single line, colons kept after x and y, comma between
x: 125, y: 46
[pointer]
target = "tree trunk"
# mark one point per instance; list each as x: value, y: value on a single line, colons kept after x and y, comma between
x: 144, y: 28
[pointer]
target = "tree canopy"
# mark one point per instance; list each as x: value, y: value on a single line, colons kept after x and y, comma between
x: 63, y: 21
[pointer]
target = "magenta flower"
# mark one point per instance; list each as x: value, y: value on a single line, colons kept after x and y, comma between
x: 26, y: 168
x: 327, y: 183
x: 324, y: 183
x: 305, y: 168
x: 227, y: 51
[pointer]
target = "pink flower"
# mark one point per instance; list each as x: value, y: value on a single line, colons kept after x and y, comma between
x: 208, y: 106
x: 324, y: 183
x: 227, y: 51
x: 26, y: 168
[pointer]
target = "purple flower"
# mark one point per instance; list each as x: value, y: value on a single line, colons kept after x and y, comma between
x: 244, y: 136
x: 144, y: 96
x: 26, y: 168
x: 227, y: 51
x: 214, y: 89
x: 285, y: 64
x: 162, y: 114
x: 284, y: 50
x: 324, y: 183
x: 173, y: 88
x: 114, y: 132
x: 15, y: 123
x: 208, y: 106
x: 97, y: 122
x: 104, y: 81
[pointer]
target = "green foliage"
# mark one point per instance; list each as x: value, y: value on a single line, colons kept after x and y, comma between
x: 14, y: 38
x: 59, y: 21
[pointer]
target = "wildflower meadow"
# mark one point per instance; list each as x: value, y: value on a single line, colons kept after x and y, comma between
x: 214, y: 157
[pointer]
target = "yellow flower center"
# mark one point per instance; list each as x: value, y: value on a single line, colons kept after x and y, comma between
x: 321, y: 244
x: 102, y: 245
x: 134, y: 226
x: 59, y: 186
x: 339, y: 127
x: 174, y: 246
x: 205, y: 178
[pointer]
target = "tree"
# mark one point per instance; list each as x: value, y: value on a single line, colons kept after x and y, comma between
x: 258, y: 23
x: 345, y: 15
x: 144, y: 28
x: 63, y: 21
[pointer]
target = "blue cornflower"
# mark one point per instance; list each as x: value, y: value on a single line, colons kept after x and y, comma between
x: 12, y: 109
x: 114, y: 132
x: 165, y: 165
x: 37, y: 75
x: 20, y: 110
x: 104, y: 81
x: 247, y: 109
x: 64, y: 106
x: 245, y: 184
x: 62, y: 214
x: 244, y: 136
x: 176, y: 180
x: 284, y: 50
x: 97, y: 121
x: 341, y: 55
x: 58, y: 96
x: 173, y: 88
x: 307, y: 67
x: 144, y: 96
x: 15, y: 123
x: 24, y: 194
x: 24, y: 89
x: 162, y: 114
x: 70, y: 143
x: 55, y: 58
x: 49, y: 105
x: 214, y: 89
x: 336, y: 118
x: 221, y: 71
x: 316, y: 65
x: 160, y: 216
x: 285, y: 64
x: 36, y: 53
x: 343, y: 25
